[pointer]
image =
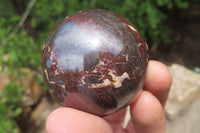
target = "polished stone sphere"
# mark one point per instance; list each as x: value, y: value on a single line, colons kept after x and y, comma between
x: 95, y: 61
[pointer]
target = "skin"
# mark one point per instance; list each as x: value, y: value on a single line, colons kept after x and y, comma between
x: 147, y: 115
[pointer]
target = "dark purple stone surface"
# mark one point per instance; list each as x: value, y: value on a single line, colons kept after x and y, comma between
x: 95, y: 61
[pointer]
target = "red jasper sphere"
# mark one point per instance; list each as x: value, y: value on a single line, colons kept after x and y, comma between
x: 95, y: 61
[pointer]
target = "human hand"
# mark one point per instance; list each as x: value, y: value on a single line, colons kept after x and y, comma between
x: 147, y: 115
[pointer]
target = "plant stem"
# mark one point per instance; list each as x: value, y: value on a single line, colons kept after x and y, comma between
x: 21, y: 22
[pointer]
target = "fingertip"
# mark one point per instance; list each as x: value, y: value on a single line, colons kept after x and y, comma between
x: 64, y: 120
x: 148, y: 107
x: 159, y: 73
x: 158, y: 80
x: 147, y: 114
x: 50, y: 126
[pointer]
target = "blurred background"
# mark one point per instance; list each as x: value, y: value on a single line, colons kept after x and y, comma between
x: 170, y: 27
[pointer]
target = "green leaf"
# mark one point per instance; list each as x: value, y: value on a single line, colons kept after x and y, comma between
x: 182, y: 4
x: 17, y: 112
x: 33, y: 22
x: 3, y: 110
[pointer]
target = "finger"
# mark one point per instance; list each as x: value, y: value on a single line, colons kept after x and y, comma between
x: 147, y: 115
x: 130, y: 128
x: 67, y: 120
x: 158, y: 80
x: 116, y: 121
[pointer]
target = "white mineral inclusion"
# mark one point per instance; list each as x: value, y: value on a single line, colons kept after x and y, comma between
x: 47, y: 77
x: 131, y: 27
x: 117, y: 81
x: 77, y: 41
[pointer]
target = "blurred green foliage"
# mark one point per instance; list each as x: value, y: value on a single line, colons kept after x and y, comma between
x: 24, y: 48
x: 10, y: 108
